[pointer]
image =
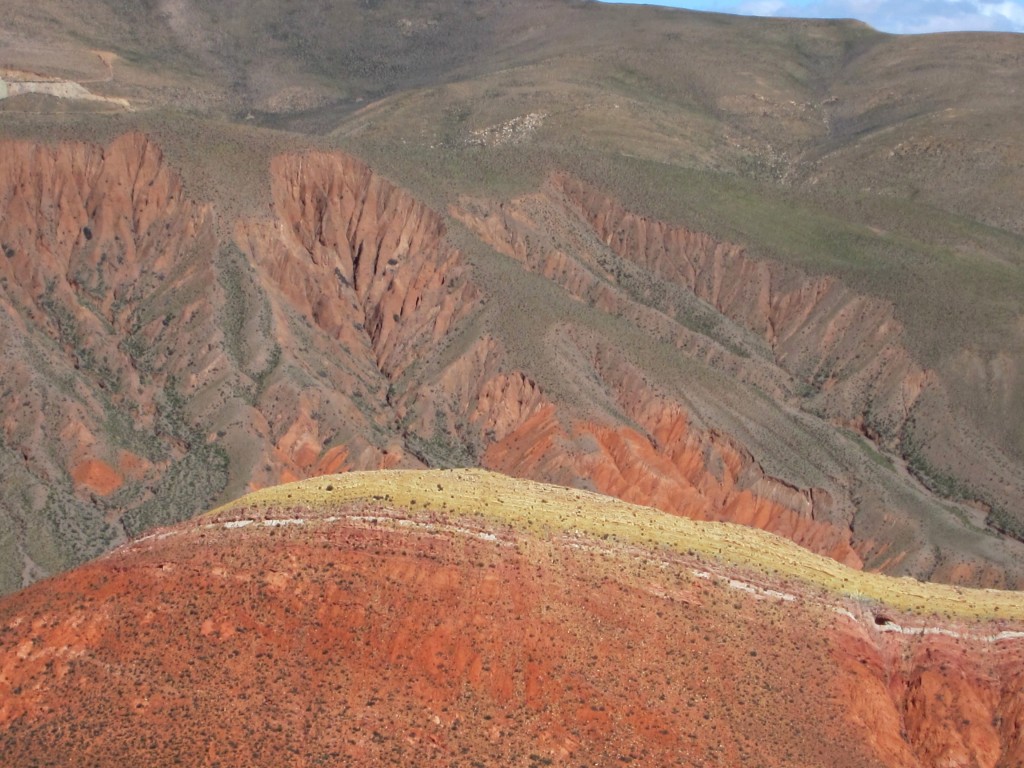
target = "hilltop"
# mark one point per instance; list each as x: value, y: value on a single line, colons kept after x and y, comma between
x: 462, y: 616
x: 550, y: 511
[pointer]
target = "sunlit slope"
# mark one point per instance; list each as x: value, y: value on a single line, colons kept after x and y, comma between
x: 488, y: 500
x: 462, y: 618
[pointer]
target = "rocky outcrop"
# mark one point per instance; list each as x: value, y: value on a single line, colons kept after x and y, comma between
x: 659, y: 459
x: 664, y: 462
x: 807, y: 341
x: 545, y: 234
x: 369, y: 268
x: 90, y: 234
x: 359, y: 257
x: 733, y: 485
x: 945, y: 697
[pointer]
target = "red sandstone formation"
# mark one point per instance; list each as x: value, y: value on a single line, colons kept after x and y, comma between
x: 847, y: 347
x: 359, y: 257
x: 147, y: 359
x: 668, y: 465
x: 944, y: 698
x: 818, y: 329
x: 431, y: 642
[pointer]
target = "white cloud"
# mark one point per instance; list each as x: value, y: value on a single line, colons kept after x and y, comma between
x: 1013, y: 12
x: 915, y: 16
x: 898, y: 16
x: 761, y: 8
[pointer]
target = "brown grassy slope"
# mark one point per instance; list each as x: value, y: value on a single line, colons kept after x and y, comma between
x: 888, y: 163
x: 496, y: 621
x: 489, y: 498
x: 786, y: 152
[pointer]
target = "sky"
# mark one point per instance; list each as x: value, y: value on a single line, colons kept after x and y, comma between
x: 896, y: 16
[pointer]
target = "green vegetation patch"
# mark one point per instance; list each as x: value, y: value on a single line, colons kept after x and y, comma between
x: 191, y: 484
x: 545, y: 510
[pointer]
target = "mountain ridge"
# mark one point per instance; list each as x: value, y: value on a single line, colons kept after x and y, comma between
x: 494, y: 498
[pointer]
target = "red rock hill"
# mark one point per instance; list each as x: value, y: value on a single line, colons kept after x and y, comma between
x: 477, y: 626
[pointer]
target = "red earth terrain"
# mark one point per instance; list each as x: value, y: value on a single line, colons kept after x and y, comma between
x: 372, y: 632
x: 160, y: 357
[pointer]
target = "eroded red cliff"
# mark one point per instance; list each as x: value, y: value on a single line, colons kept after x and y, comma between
x: 806, y: 341
x: 935, y: 696
x: 359, y: 257
x: 152, y: 353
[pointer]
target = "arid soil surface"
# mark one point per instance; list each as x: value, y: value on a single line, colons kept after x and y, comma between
x: 341, y: 622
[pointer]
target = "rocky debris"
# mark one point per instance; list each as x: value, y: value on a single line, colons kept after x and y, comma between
x: 514, y: 131
x: 15, y: 83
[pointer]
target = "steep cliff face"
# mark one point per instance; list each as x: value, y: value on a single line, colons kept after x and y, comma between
x: 361, y: 284
x: 94, y: 240
x: 950, y: 696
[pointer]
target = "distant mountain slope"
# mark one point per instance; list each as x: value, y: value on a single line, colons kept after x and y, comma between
x: 347, y: 330
x: 439, y: 617
x: 765, y: 271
